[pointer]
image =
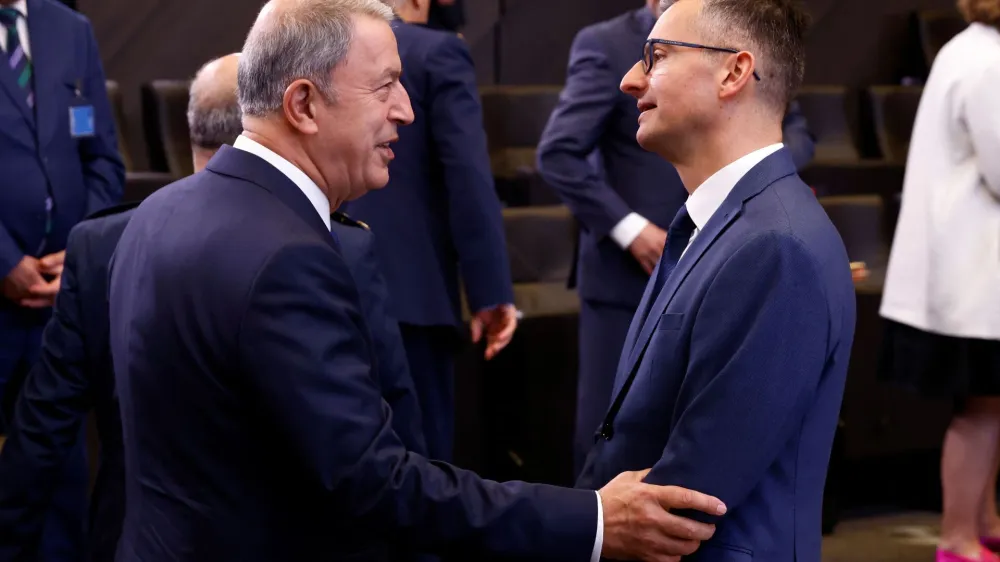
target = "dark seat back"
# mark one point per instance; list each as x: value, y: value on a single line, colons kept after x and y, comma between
x: 860, y: 220
x: 514, y: 118
x: 164, y: 110
x: 540, y: 243
x: 894, y: 109
x: 826, y: 110
x: 118, y: 114
x: 937, y: 27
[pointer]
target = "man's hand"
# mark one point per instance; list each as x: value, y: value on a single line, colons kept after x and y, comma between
x: 498, y: 323
x: 648, y: 247
x: 638, y: 526
x: 25, y: 276
x: 43, y: 295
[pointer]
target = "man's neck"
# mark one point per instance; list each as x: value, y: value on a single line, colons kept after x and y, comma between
x: 412, y: 15
x: 712, y: 156
x: 294, y: 155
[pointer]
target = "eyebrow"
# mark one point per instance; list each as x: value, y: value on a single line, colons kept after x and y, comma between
x: 390, y: 74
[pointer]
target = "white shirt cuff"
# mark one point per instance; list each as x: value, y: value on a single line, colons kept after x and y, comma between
x: 628, y: 229
x: 599, y: 539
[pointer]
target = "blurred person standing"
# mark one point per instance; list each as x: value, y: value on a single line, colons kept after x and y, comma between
x: 59, y: 154
x: 439, y: 220
x: 940, y: 301
x: 623, y: 197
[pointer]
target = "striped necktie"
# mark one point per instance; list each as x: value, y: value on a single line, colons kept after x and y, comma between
x: 18, y: 60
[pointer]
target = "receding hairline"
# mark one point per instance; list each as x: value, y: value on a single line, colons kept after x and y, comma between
x: 215, y: 83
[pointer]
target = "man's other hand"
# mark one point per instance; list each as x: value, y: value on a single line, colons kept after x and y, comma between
x: 498, y: 323
x: 648, y: 247
x: 638, y: 525
x: 25, y: 276
x: 43, y: 295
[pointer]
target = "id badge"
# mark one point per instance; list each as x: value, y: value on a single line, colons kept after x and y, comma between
x: 81, y: 121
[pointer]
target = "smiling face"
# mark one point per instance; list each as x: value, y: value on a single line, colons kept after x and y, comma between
x: 679, y: 97
x: 356, y: 129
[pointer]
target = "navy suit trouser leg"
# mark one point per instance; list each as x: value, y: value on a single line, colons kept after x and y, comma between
x: 431, y: 350
x: 64, y: 531
x: 603, y: 329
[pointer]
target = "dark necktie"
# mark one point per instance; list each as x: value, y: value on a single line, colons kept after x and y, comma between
x: 17, y: 59
x: 678, y: 236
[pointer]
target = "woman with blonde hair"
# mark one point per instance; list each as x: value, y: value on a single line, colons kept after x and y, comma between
x: 942, y: 290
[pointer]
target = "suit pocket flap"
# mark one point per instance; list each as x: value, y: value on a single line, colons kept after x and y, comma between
x: 670, y: 321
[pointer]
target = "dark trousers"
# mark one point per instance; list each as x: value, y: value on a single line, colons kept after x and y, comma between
x: 20, y: 344
x: 603, y: 328
x: 431, y: 350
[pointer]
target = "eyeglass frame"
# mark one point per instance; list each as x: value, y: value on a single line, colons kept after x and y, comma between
x: 647, y: 55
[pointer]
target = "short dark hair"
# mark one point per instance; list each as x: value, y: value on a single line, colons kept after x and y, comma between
x: 981, y: 11
x: 774, y: 31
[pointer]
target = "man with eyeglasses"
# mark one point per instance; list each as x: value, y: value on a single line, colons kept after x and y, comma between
x: 733, y: 370
x: 622, y: 196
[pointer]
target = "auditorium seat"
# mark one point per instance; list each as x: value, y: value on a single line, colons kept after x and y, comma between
x: 118, y: 114
x: 164, y: 111
x: 861, y: 222
x: 937, y: 27
x: 894, y: 109
x: 826, y: 110
x: 514, y: 118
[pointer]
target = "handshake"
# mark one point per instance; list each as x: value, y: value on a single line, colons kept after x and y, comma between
x: 638, y: 524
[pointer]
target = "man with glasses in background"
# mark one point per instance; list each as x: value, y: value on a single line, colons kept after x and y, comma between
x: 622, y: 196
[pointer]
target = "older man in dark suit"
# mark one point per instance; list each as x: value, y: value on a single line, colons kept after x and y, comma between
x: 253, y: 423
x: 622, y: 196
x: 75, y: 376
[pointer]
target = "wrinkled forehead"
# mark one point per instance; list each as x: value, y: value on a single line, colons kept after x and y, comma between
x: 373, y: 52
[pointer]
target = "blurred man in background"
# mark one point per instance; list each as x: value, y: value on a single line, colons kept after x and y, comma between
x: 439, y: 220
x: 60, y: 162
x: 447, y: 15
x: 622, y: 196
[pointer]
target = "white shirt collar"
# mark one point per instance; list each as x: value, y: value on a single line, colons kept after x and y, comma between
x: 21, y: 6
x: 298, y: 177
x: 710, y: 195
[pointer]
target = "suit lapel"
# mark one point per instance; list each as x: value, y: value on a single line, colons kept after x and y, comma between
x: 46, y: 40
x: 243, y: 165
x: 768, y: 171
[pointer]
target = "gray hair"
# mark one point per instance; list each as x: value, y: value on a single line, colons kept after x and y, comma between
x: 304, y: 41
x: 213, y: 114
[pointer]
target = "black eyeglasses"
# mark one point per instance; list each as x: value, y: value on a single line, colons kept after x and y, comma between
x: 647, y: 52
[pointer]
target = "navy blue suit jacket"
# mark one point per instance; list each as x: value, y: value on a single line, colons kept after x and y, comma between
x: 74, y: 376
x: 439, y: 217
x: 589, y: 155
x: 253, y: 423
x: 37, y: 155
x: 732, y: 383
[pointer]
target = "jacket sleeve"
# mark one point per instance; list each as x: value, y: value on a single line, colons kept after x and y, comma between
x: 573, y: 132
x: 11, y: 253
x: 797, y: 138
x: 750, y: 377
x: 303, y: 344
x: 104, y: 172
x: 393, y: 367
x: 455, y: 119
x: 47, y: 419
